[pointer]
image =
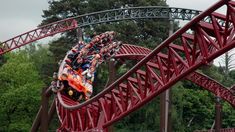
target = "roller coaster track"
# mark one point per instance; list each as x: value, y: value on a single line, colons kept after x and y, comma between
x: 37, y: 34
x: 131, y: 13
x: 194, y: 45
x: 133, y: 52
x: 213, y: 34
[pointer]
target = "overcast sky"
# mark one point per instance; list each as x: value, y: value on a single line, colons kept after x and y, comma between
x: 19, y: 16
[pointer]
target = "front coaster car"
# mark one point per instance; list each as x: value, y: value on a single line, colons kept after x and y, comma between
x: 77, y: 71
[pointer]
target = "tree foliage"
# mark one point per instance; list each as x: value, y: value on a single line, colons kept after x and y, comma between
x: 20, y: 87
x: 43, y: 60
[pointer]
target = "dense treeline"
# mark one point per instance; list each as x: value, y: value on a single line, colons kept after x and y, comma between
x: 24, y: 73
x: 19, y: 92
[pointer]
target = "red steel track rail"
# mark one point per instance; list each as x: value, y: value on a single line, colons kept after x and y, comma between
x: 192, y: 46
x: 38, y: 33
x: 137, y: 53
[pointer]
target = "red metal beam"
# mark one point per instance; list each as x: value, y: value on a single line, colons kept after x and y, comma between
x: 196, y: 77
x: 38, y: 33
x: 126, y: 94
x: 37, y: 121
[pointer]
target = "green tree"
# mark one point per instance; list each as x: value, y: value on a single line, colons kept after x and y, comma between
x: 20, y: 90
x: 43, y: 60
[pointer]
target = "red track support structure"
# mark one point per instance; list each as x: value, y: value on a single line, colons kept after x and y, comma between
x: 194, y: 45
x: 134, y: 52
x: 36, y: 34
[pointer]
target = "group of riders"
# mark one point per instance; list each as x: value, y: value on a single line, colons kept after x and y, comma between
x: 77, y: 71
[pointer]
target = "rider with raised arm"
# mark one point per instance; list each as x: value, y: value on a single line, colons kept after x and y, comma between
x: 79, y: 66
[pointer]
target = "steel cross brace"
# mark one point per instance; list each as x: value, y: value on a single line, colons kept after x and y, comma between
x: 36, y: 34
x: 147, y: 12
x: 137, y: 87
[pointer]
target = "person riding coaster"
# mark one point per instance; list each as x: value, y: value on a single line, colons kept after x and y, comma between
x: 76, y: 72
x: 76, y: 83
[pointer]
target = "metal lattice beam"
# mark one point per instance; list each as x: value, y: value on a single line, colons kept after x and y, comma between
x: 186, y: 52
x: 134, y: 52
x: 131, y: 13
x: 37, y: 34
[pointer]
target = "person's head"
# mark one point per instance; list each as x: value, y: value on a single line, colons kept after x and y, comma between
x: 79, y: 60
x: 97, y: 56
x: 64, y: 76
x: 87, y: 35
x: 86, y: 66
x: 112, y: 33
x: 54, y: 75
x: 93, y: 35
